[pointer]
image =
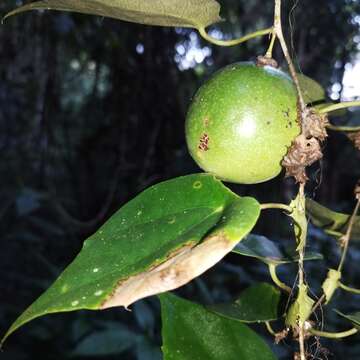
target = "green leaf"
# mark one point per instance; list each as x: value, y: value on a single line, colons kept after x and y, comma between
x: 258, y: 303
x: 192, y: 332
x: 300, y: 221
x: 354, y: 318
x: 184, y: 13
x: 331, y: 284
x: 311, y: 89
x: 301, y: 309
x: 262, y: 248
x: 154, y: 243
x: 333, y: 223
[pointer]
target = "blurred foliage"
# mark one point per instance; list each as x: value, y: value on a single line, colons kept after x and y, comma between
x: 92, y: 112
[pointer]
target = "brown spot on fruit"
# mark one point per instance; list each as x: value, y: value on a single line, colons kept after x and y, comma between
x: 287, y: 113
x: 206, y: 122
x: 204, y: 142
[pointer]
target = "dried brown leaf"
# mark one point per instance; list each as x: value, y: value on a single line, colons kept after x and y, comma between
x: 302, y: 153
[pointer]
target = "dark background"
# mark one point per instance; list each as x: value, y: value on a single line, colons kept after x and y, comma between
x: 92, y: 112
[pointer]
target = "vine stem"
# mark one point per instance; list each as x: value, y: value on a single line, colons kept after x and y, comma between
x: 269, y: 328
x: 343, y: 128
x: 346, y: 237
x: 269, y: 51
x: 301, y: 283
x: 332, y: 335
x: 349, y: 289
x: 276, y: 280
x: 233, y: 42
x: 279, y: 33
x: 276, y: 206
x: 342, y: 105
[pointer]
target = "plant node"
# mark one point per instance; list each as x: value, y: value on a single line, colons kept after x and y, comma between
x: 280, y: 336
x: 262, y: 61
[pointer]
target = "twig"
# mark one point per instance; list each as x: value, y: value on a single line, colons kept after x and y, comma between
x: 233, y: 42
x: 280, y: 36
x: 276, y: 280
x: 346, y: 238
x: 331, y: 335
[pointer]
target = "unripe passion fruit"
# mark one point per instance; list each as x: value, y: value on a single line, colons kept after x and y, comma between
x: 241, y: 123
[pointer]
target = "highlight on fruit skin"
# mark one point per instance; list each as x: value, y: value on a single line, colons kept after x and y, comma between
x: 242, y: 121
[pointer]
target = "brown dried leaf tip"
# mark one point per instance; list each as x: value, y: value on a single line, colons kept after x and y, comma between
x: 302, y: 153
x: 280, y: 336
x: 355, y: 138
x: 315, y: 124
x: 306, y: 149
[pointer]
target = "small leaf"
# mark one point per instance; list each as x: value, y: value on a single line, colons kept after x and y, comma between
x: 262, y: 248
x: 258, y: 303
x: 331, y: 283
x: 333, y: 223
x: 152, y: 244
x: 300, y: 221
x: 354, y: 318
x: 192, y: 332
x: 301, y: 308
x: 311, y: 89
x: 184, y: 13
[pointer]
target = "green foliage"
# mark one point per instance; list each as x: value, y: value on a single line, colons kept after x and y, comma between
x: 190, y: 331
x: 258, y: 303
x: 161, y: 227
x: 312, y: 90
x: 333, y: 223
x: 186, y: 13
x: 267, y: 251
x: 84, y: 144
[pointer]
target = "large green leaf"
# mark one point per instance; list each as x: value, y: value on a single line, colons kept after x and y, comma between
x: 311, y: 89
x: 258, y: 303
x: 184, y: 13
x: 333, y: 223
x: 190, y: 331
x: 262, y: 248
x: 152, y: 244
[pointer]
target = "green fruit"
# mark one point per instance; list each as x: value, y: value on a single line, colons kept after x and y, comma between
x: 242, y: 122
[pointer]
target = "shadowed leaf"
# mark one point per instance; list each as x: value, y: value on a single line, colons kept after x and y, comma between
x: 257, y: 303
x: 262, y: 248
x: 184, y: 13
x: 354, y: 318
x: 333, y: 223
x: 192, y: 332
x: 311, y: 89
